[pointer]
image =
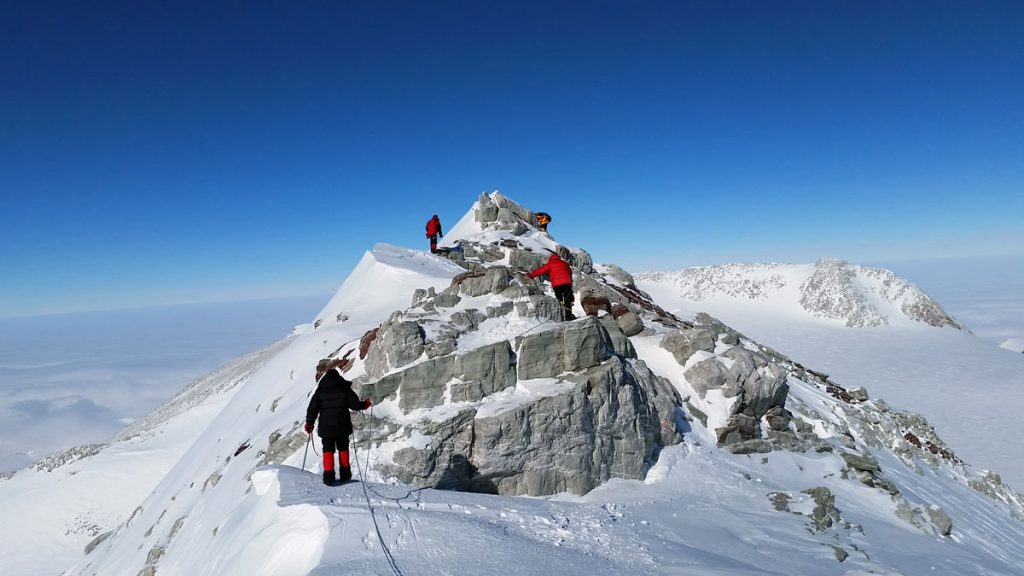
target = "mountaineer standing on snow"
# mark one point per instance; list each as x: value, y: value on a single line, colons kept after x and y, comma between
x: 434, y: 232
x: 331, y: 402
x: 561, y: 280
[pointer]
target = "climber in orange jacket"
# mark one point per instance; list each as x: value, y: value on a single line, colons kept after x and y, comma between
x: 560, y: 273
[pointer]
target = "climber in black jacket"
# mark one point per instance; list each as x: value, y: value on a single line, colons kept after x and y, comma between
x: 331, y: 402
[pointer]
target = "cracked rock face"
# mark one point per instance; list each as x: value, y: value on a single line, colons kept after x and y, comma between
x: 397, y: 344
x: 607, y: 422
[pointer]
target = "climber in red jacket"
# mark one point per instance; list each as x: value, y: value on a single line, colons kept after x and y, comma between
x: 561, y: 280
x: 434, y: 232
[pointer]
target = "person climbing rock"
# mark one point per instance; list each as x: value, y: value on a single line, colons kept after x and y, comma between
x: 560, y: 273
x: 434, y: 232
x: 543, y: 219
x: 331, y: 402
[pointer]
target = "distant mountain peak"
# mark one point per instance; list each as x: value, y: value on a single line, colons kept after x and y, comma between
x: 830, y: 289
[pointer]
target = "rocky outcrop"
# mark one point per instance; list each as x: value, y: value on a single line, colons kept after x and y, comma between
x: 607, y: 422
x: 567, y: 347
x: 493, y: 281
x: 397, y: 343
x: 465, y: 378
x: 629, y: 322
x: 686, y: 342
x: 831, y: 293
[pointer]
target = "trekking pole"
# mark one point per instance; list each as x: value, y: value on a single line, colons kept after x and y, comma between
x: 309, y: 439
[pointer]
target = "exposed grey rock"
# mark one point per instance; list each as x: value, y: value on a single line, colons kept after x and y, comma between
x: 486, y: 210
x: 441, y: 346
x: 481, y: 252
x: 503, y: 309
x: 753, y: 446
x: 660, y: 394
x: 585, y: 283
x: 541, y: 307
x: 859, y: 394
x: 397, y: 344
x: 717, y: 327
x: 620, y: 343
x: 281, y: 446
x: 503, y: 202
x: 567, y: 347
x: 862, y: 462
x: 494, y: 280
x: 525, y: 261
x: 508, y: 220
x: 444, y: 463
x: 601, y: 428
x: 482, y: 372
x: 739, y: 428
x: 831, y: 292
x: 619, y: 274
x: 629, y: 321
x: 924, y: 309
x: 467, y: 320
x: 581, y: 260
x: 765, y: 392
x: 778, y: 418
x: 697, y: 413
x: 686, y: 342
x: 824, y: 514
x: 742, y: 363
x: 780, y: 501
x: 420, y: 294
x: 841, y: 555
x: 420, y: 386
x: 939, y: 519
x: 97, y: 541
x: 448, y: 298
x: 706, y: 375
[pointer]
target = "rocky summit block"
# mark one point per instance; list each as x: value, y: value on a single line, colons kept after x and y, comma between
x: 396, y: 344
x: 467, y: 377
x: 607, y: 422
x: 567, y: 347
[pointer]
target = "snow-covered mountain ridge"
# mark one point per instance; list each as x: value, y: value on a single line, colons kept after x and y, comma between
x: 660, y: 442
x: 830, y: 289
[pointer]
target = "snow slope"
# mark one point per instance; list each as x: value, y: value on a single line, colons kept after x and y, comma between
x: 240, y: 501
x: 968, y: 389
x: 66, y: 500
x: 1013, y: 344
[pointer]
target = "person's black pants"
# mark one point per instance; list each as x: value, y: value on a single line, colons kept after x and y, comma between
x: 564, y: 296
x: 335, y: 444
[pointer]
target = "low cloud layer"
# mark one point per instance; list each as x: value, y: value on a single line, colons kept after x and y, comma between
x: 78, y: 379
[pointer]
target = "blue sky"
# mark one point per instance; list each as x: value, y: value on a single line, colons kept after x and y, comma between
x: 160, y: 153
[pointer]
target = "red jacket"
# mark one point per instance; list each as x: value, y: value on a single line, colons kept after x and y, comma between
x: 433, y: 226
x: 557, y: 269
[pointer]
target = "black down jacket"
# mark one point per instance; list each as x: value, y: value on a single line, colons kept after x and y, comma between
x: 332, y: 401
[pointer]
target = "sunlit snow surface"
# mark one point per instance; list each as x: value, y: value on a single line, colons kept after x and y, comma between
x: 223, y: 509
x: 969, y: 388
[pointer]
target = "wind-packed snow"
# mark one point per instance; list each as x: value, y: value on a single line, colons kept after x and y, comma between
x: 1013, y: 344
x: 247, y: 498
x: 65, y: 501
